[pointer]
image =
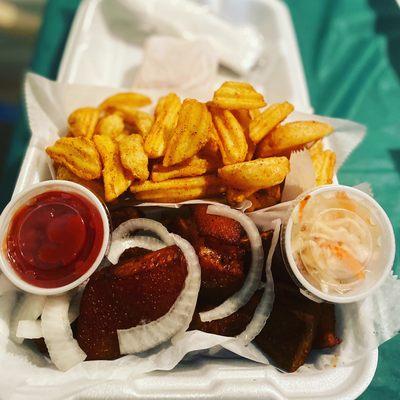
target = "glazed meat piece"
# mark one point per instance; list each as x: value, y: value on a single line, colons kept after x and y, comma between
x: 326, y: 331
x: 125, y: 295
x: 132, y: 253
x: 222, y: 270
x: 286, y: 338
x: 229, y: 326
x: 224, y: 229
x: 123, y: 213
x: 184, y: 227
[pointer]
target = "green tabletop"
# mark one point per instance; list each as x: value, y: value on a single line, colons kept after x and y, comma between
x: 351, y: 56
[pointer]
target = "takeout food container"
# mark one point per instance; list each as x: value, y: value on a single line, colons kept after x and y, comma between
x: 23, y: 198
x: 378, y: 271
x: 95, y: 34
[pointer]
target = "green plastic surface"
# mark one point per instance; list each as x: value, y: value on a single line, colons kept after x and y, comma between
x: 351, y: 56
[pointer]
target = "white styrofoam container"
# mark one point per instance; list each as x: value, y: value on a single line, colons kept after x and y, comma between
x: 104, y: 48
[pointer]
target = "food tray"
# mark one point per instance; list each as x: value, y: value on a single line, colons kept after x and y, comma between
x: 104, y: 48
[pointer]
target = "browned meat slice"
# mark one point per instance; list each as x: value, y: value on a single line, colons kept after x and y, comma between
x: 128, y: 294
x: 229, y: 326
x: 222, y: 271
x: 123, y: 213
x: 185, y: 227
x: 286, y: 338
x: 132, y: 253
x: 224, y: 229
x: 326, y: 332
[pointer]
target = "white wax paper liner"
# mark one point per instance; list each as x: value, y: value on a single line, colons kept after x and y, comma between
x: 362, y: 326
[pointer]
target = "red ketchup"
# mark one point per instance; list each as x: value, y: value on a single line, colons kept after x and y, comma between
x: 54, y: 239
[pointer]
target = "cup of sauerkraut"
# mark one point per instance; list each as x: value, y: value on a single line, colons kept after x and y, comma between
x: 338, y: 244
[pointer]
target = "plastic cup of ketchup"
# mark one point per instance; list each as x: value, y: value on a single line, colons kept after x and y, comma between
x: 53, y: 237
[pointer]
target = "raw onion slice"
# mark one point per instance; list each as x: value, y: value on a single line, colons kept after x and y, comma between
x: 29, y: 329
x: 120, y: 245
x: 241, y: 297
x: 63, y: 349
x: 127, y: 228
x: 6, y: 286
x: 144, y: 337
x: 29, y: 307
x: 32, y: 329
x: 264, y: 307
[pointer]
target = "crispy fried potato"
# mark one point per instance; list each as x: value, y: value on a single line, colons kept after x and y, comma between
x: 231, y: 138
x: 265, y: 198
x: 140, y: 120
x: 191, y: 133
x: 96, y: 186
x: 291, y: 136
x: 131, y: 99
x: 82, y: 122
x: 194, y: 166
x: 324, y: 167
x: 166, y: 117
x: 316, y: 148
x: 257, y: 174
x: 110, y: 125
x: 133, y: 157
x: 244, y: 117
x: 237, y: 95
x: 254, y: 113
x: 268, y: 120
x: 115, y: 181
x: 78, y: 154
x: 181, y: 189
x: 237, y: 196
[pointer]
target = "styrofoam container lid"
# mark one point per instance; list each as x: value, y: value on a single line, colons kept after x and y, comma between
x: 378, y: 269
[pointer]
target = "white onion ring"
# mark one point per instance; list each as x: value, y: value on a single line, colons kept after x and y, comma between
x: 144, y: 337
x: 32, y: 329
x: 264, y: 307
x: 128, y: 227
x: 29, y: 329
x: 29, y: 307
x: 63, y: 349
x: 120, y: 245
x: 253, y: 278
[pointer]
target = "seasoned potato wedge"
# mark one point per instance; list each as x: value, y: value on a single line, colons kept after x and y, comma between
x: 191, y: 133
x: 194, y: 166
x: 133, y: 157
x: 245, y: 117
x: 181, y: 189
x: 166, y: 117
x: 237, y: 196
x: 78, y: 154
x: 140, y: 120
x: 291, y: 136
x: 257, y: 174
x: 316, y: 148
x: 83, y: 121
x: 131, y: 99
x: 110, y: 125
x: 324, y: 167
x: 268, y: 120
x: 115, y: 180
x: 265, y: 198
x: 231, y: 137
x: 96, y: 186
x: 237, y: 95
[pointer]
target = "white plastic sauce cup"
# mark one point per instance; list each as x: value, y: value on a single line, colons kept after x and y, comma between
x: 20, y: 200
x: 378, y: 271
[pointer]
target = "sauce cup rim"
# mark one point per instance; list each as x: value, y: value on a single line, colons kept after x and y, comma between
x: 23, y: 197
